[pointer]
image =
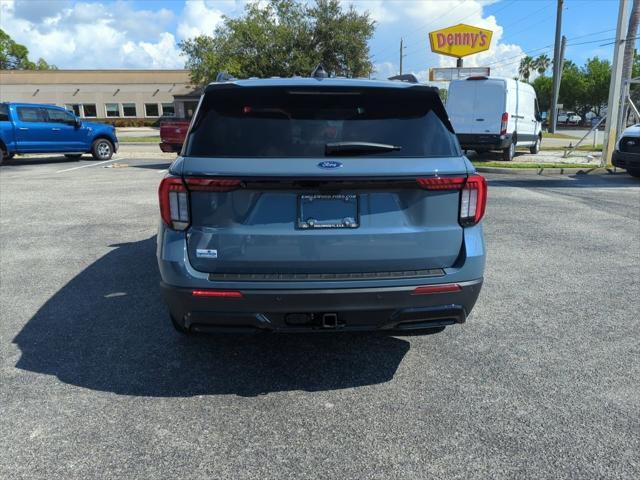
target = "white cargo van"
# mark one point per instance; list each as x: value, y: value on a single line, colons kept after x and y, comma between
x: 490, y: 113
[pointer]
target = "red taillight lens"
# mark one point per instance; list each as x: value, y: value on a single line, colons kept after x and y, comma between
x: 473, y: 196
x: 174, y: 202
x: 473, y: 200
x: 441, y: 288
x: 504, y: 122
x: 441, y: 183
x: 213, y: 184
x: 217, y: 293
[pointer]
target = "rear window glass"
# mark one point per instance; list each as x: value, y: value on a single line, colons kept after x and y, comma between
x: 285, y: 122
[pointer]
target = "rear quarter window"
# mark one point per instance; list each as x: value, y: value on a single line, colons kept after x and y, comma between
x: 300, y: 122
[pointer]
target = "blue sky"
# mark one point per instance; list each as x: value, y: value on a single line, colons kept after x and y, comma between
x: 145, y: 33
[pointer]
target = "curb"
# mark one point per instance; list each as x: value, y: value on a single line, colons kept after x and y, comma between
x: 546, y: 171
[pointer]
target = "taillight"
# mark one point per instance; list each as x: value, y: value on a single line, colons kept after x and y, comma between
x: 174, y: 202
x: 473, y: 194
x: 212, y: 184
x: 473, y: 200
x: 504, y: 122
x: 174, y: 196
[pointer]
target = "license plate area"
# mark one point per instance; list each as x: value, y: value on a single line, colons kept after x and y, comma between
x: 317, y: 211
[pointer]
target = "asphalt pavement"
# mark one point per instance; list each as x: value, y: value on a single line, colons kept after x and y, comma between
x: 543, y: 381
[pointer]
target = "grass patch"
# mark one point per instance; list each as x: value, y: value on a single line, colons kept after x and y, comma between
x: 532, y: 165
x: 139, y: 139
x: 554, y: 135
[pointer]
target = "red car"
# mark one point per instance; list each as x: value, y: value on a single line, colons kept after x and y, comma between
x: 172, y: 135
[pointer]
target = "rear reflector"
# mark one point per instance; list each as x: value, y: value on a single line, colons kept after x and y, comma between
x: 441, y: 288
x: 217, y: 293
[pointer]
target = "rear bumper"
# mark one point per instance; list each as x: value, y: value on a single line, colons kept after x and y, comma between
x: 626, y: 160
x: 170, y: 147
x: 483, y: 141
x: 391, y: 309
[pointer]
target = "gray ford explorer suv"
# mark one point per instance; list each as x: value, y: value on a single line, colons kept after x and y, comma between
x: 320, y: 204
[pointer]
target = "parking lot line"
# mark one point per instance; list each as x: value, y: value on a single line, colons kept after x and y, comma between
x: 86, y: 166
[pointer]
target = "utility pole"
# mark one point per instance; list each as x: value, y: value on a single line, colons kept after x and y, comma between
x: 627, y: 64
x: 401, y: 54
x: 557, y: 65
x: 613, y: 105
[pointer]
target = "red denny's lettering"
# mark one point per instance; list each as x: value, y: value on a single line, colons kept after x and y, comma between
x: 467, y: 38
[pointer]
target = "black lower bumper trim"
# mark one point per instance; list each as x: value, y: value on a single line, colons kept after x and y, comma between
x: 368, y: 309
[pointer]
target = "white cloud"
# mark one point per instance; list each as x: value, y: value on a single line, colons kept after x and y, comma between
x: 101, y: 34
x: 201, y: 17
x: 94, y: 35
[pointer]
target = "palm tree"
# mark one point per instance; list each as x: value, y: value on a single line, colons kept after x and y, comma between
x: 526, y: 66
x: 542, y: 63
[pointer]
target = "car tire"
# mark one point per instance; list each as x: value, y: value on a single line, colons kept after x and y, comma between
x: 536, y: 147
x: 102, y: 149
x: 4, y: 156
x: 634, y: 172
x: 178, y: 326
x: 73, y: 156
x: 509, y: 152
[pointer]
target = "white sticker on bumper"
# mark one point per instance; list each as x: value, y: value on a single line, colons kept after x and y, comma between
x: 206, y: 253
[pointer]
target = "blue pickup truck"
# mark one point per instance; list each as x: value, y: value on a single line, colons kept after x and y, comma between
x: 33, y: 128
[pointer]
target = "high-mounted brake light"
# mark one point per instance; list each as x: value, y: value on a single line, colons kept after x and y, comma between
x: 473, y: 194
x: 473, y: 200
x: 504, y: 122
x: 174, y: 202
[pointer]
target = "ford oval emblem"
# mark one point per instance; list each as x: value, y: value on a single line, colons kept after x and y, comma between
x: 329, y: 164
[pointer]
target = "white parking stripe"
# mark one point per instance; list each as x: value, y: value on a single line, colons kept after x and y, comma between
x: 88, y: 165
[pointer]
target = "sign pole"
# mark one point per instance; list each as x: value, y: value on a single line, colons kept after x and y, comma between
x: 459, y: 63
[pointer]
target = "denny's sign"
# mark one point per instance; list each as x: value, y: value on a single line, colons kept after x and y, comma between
x: 460, y: 40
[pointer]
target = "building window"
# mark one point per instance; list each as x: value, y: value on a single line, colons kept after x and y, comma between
x: 151, y: 110
x: 129, y: 110
x: 73, y: 107
x: 112, y: 109
x: 89, y: 110
x: 168, y: 110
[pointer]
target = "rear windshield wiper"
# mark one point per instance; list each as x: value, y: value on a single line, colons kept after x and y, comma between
x: 358, y: 148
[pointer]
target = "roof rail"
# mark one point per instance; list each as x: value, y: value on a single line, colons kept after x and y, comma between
x: 224, y: 77
x: 407, y: 77
x: 319, y: 72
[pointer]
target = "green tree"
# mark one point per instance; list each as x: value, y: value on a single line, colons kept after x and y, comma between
x: 14, y: 56
x: 283, y: 38
x: 572, y: 86
x: 527, y: 65
x: 542, y: 63
x: 597, y: 76
x: 543, y: 85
